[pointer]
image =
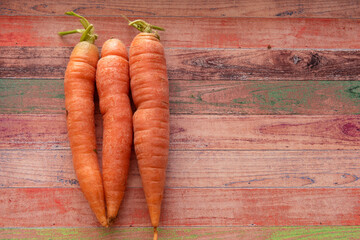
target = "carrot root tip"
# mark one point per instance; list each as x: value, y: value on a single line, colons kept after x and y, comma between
x: 155, y: 233
x: 110, y: 221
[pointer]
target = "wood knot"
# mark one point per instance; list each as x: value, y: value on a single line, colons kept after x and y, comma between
x: 351, y: 129
x: 314, y: 60
x: 296, y: 59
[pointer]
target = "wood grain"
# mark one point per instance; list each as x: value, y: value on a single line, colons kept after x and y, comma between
x: 265, y: 120
x: 38, y: 96
x: 265, y: 97
x: 202, y: 64
x: 32, y: 96
x: 247, y: 8
x: 190, y: 169
x: 65, y: 207
x: 202, y: 132
x: 202, y: 33
x: 200, y: 233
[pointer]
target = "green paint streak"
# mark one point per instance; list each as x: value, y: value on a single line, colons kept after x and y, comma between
x: 282, y: 97
x: 261, y: 97
x: 349, y: 94
x: 320, y: 233
x: 272, y: 233
x: 353, y: 91
x: 44, y: 232
x: 31, y: 96
x: 241, y: 101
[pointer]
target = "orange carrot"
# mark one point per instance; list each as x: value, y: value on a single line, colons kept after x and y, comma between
x: 150, y: 93
x: 112, y: 81
x: 79, y: 85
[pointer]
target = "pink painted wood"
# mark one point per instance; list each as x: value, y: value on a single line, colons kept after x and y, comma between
x: 202, y: 33
x: 224, y: 169
x: 203, y: 132
x: 65, y: 207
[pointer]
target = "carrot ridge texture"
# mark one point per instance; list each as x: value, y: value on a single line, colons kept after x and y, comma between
x: 79, y: 84
x: 112, y: 81
x: 150, y: 94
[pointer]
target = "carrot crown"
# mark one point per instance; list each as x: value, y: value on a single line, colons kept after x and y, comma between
x: 87, y: 34
x: 143, y: 26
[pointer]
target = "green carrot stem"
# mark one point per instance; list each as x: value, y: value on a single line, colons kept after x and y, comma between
x: 143, y: 26
x: 87, y: 34
x: 83, y: 20
x: 71, y: 32
x: 157, y: 28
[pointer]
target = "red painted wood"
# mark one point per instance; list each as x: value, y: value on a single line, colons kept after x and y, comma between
x: 245, y: 169
x: 64, y: 207
x: 202, y: 132
x: 202, y: 64
x: 191, y: 32
x: 218, y: 8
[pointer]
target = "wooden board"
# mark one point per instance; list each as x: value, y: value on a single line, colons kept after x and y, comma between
x: 265, y: 127
x: 202, y: 233
x: 65, y: 207
x: 202, y: 64
x: 202, y: 132
x: 224, y: 169
x: 39, y: 96
x: 247, y: 8
x: 202, y: 33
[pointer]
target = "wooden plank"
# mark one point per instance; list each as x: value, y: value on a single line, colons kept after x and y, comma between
x: 204, y: 32
x: 201, y: 233
x: 188, y: 169
x: 259, y: 64
x: 246, y: 8
x: 65, y: 207
x: 202, y: 132
x: 202, y: 64
x: 265, y: 97
x: 32, y: 62
x: 270, y: 132
x: 39, y: 96
x: 32, y: 96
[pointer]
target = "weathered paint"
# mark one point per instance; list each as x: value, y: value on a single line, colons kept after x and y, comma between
x: 202, y: 132
x: 319, y: 233
x: 202, y: 64
x: 175, y: 233
x: 198, y: 169
x: 308, y: 185
x: 245, y: 8
x: 67, y: 207
x: 206, y: 33
x: 205, y: 97
x: 31, y: 96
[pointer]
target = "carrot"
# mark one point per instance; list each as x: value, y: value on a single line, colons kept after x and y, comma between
x: 150, y: 93
x: 112, y: 81
x: 79, y: 86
